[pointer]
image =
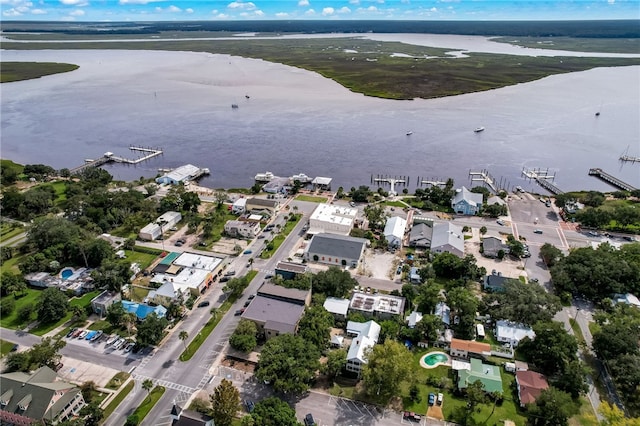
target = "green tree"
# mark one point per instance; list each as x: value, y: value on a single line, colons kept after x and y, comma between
x: 552, y: 348
x: 428, y: 327
x: 115, y: 314
x: 333, y: 282
x: 388, y: 365
x: 361, y: 194
x: 428, y: 297
x: 376, y: 215
x: 40, y: 354
x: 244, y: 336
x: 523, y: 303
x: 52, y: 305
x: 550, y: 254
x: 183, y: 336
x: 7, y: 306
x: 474, y: 395
x: 112, y: 274
x: 289, y: 363
x: 12, y: 284
x: 25, y: 313
x: 92, y: 414
x: 409, y: 292
x: 552, y: 408
x: 151, y: 330
x: 464, y: 305
x: 336, y: 361
x: 315, y: 326
x: 389, y: 329
x: 572, y: 378
x: 516, y: 248
x: 147, y: 385
x: 273, y: 411
x: 226, y: 403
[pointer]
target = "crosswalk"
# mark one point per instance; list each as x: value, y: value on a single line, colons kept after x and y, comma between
x: 164, y: 383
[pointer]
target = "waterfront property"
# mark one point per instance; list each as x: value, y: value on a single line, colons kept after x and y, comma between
x: 394, y: 231
x: 420, y: 236
x: 262, y: 205
x: 37, y: 397
x: 466, y: 202
x: 337, y: 250
x: 182, y: 174
x: 239, y: 206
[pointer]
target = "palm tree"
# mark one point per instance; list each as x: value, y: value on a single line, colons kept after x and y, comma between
x: 183, y: 335
x: 214, y: 312
x: 147, y: 385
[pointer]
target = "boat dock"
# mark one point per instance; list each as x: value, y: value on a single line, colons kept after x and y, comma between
x: 484, y: 176
x: 431, y: 182
x: 610, y: 179
x: 109, y: 157
x: 629, y: 159
x: 391, y: 180
x: 543, y: 178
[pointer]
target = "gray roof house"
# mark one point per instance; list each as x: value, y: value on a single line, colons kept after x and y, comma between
x: 338, y: 250
x: 37, y: 396
x: 491, y: 246
x: 336, y: 306
x: 274, y: 317
x: 420, y: 236
x: 447, y: 237
x: 466, y: 202
x: 494, y: 282
x: 394, y: 231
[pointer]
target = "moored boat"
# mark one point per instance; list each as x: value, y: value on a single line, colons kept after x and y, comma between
x: 479, y: 129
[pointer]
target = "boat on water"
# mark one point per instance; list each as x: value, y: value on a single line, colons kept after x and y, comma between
x: 409, y: 133
x: 598, y: 114
x: 264, y: 177
x: 479, y: 129
x: 247, y: 96
x: 234, y: 106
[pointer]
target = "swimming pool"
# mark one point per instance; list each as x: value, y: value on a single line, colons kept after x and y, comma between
x: 434, y: 359
x: 66, y: 273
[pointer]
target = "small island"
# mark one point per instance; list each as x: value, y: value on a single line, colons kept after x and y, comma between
x: 18, y: 71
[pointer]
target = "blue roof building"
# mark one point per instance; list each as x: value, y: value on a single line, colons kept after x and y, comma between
x: 142, y: 310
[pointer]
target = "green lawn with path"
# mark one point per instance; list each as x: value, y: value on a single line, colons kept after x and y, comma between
x: 111, y: 407
x: 311, y: 198
x: 5, y: 347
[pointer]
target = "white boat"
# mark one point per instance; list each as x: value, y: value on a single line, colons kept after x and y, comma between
x: 409, y: 133
x: 479, y: 129
x: 301, y: 177
x: 264, y: 177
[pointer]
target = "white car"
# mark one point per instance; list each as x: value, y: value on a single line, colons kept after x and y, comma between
x: 112, y: 339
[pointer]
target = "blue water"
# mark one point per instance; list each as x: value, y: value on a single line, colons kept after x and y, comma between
x: 66, y: 273
x: 435, y: 358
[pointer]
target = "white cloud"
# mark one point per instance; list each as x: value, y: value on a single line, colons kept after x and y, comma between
x: 328, y: 11
x: 259, y: 13
x: 433, y: 9
x: 78, y: 3
x: 282, y: 14
x: 39, y: 12
x: 354, y: 2
x: 222, y: 16
x: 344, y: 9
x: 77, y: 12
x: 138, y: 1
x: 214, y: 11
x: 174, y: 9
x: 19, y: 7
x: 303, y: 3
x: 11, y: 12
x: 611, y: 1
x: 241, y: 5
x: 189, y: 10
x: 372, y: 9
x: 310, y: 12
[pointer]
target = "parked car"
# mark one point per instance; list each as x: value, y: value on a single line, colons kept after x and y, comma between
x: 628, y: 238
x: 230, y: 273
x: 411, y: 416
x: 111, y: 340
x: 83, y: 334
x: 593, y: 234
x: 440, y: 398
x: 239, y: 312
x: 58, y: 366
x: 97, y: 336
x: 76, y: 333
x: 129, y: 347
x: 261, y: 236
x: 178, y: 244
x: 224, y: 279
x: 73, y: 330
x: 14, y: 347
x: 247, y: 252
x: 309, y: 421
x: 247, y: 303
x: 432, y: 398
x: 500, y: 222
x: 251, y: 296
x: 203, y: 304
x: 534, y: 280
x: 537, y: 231
x: 90, y: 335
x: 268, y: 276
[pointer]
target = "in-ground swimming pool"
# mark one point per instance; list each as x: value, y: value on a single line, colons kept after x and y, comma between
x: 66, y: 273
x: 434, y: 359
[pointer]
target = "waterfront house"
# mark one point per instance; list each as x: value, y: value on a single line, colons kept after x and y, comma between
x: 466, y: 202
x: 447, y: 238
x: 262, y: 205
x: 182, y: 174
x: 420, y: 236
x: 394, y: 231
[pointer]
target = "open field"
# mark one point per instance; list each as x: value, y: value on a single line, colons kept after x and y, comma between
x: 381, y: 69
x: 17, y: 71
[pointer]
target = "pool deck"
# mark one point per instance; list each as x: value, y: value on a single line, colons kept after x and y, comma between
x: 425, y: 365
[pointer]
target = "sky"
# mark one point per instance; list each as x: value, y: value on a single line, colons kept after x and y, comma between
x: 181, y: 10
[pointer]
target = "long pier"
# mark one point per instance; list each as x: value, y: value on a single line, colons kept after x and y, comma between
x: 629, y: 159
x: 484, y: 176
x: 108, y: 157
x: 543, y: 178
x: 610, y: 179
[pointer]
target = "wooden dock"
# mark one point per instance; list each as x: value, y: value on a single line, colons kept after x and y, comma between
x: 543, y: 178
x: 629, y: 159
x: 108, y: 157
x: 484, y: 176
x: 610, y: 179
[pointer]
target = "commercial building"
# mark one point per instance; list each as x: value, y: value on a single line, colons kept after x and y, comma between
x: 37, y: 397
x: 154, y: 230
x: 377, y: 305
x: 289, y: 270
x: 337, y: 250
x: 182, y: 174
x: 334, y: 219
x: 241, y: 229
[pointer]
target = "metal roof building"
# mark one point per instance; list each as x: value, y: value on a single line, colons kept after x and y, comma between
x: 338, y: 250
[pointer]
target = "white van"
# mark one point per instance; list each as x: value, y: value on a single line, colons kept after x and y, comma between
x: 480, y: 331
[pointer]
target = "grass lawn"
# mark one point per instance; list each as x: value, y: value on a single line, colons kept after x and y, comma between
x: 11, y: 320
x: 10, y: 230
x: 117, y: 380
x: 118, y: 399
x: 84, y: 301
x: 311, y: 198
x: 138, y: 294
x: 142, y: 259
x: 60, y: 188
x: 400, y: 204
x: 577, y: 331
x: 148, y: 403
x: 5, y: 347
x: 11, y: 265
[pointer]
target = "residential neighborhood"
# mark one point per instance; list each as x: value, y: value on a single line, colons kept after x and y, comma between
x: 310, y: 300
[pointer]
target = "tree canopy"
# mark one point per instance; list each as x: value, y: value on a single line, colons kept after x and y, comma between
x: 289, y: 363
x: 448, y: 265
x: 552, y: 348
x: 388, y: 365
x: 226, y: 403
x: 53, y: 304
x: 315, y: 326
x: 523, y: 303
x: 273, y: 411
x: 151, y: 330
x: 244, y: 338
x: 40, y: 354
x: 333, y: 282
x: 552, y: 408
